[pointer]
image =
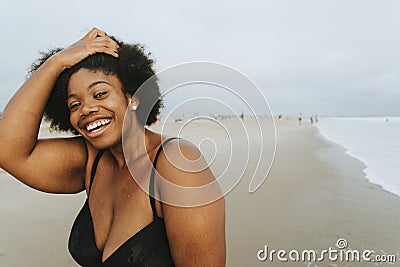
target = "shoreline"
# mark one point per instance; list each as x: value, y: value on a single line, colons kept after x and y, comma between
x: 362, y: 163
x: 314, y: 195
x: 375, y: 149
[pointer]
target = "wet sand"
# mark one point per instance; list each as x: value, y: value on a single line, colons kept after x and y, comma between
x: 314, y: 194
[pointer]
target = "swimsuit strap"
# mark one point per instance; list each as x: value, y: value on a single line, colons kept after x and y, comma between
x: 94, y: 167
x: 151, y: 184
x: 153, y: 170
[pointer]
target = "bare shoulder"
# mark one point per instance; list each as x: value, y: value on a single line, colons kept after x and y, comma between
x: 184, y: 177
x: 181, y: 162
x: 193, y: 207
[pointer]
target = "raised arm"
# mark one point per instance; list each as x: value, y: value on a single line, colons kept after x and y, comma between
x: 53, y: 165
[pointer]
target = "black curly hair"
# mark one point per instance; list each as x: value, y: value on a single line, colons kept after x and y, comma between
x: 133, y: 67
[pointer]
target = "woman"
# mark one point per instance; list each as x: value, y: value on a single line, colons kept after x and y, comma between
x: 120, y: 224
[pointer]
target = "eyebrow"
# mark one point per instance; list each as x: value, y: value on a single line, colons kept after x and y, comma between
x: 90, y: 87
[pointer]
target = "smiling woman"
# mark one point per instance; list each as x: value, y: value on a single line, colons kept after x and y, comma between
x: 131, y: 68
x: 87, y: 89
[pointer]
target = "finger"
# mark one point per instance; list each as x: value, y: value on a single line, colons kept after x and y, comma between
x: 101, y: 33
x: 107, y: 40
x: 95, y: 33
x: 102, y: 48
x: 110, y: 51
x: 91, y: 33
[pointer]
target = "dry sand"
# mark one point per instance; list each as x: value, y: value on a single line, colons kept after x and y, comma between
x: 314, y: 194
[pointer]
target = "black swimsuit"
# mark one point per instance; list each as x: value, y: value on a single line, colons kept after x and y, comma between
x: 149, y: 247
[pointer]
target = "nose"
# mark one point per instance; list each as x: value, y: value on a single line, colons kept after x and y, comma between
x: 89, y: 108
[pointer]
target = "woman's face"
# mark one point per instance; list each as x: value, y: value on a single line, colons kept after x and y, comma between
x: 97, y: 107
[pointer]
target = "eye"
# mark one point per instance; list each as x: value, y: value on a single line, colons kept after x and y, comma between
x: 74, y: 106
x: 100, y: 94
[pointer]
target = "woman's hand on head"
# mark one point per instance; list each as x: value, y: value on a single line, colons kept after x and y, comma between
x: 95, y: 41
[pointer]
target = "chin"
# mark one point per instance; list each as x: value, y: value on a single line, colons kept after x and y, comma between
x: 106, y: 143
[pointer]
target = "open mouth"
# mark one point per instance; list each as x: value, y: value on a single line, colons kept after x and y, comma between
x: 97, y: 125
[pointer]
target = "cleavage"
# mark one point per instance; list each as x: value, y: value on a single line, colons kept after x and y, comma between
x: 115, y: 224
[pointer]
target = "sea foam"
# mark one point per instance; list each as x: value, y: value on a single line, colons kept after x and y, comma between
x: 373, y: 140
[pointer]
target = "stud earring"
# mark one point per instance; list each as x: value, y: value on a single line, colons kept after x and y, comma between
x: 133, y: 106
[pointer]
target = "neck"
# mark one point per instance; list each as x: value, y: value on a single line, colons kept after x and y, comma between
x: 137, y: 143
x: 117, y: 153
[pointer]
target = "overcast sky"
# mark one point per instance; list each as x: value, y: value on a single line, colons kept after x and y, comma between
x: 312, y: 56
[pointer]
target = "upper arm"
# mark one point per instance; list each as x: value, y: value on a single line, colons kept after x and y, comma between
x: 55, y: 165
x: 196, y: 232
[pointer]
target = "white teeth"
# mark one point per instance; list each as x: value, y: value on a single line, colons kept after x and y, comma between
x: 96, y: 124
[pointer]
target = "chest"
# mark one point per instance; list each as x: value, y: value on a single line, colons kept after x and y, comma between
x: 148, y: 247
x: 118, y: 206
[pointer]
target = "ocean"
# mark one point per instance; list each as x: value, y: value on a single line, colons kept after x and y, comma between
x: 373, y: 140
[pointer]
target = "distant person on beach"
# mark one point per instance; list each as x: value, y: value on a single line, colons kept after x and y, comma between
x: 90, y: 89
x: 299, y: 118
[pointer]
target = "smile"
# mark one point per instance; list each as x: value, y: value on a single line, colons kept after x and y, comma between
x: 97, y: 125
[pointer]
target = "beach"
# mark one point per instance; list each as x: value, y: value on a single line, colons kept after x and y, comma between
x: 314, y: 195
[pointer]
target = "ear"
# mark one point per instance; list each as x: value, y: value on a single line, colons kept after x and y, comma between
x: 128, y: 98
x: 132, y: 99
x: 133, y: 103
x: 135, y: 100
